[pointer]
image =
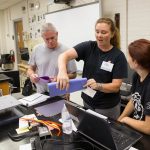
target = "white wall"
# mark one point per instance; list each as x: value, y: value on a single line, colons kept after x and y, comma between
x: 2, y: 32
x: 134, y: 18
x: 138, y: 19
x: 110, y: 7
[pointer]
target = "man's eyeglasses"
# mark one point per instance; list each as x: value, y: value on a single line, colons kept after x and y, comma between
x: 51, y: 38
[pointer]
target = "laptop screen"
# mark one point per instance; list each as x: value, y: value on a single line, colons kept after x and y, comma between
x: 97, y: 130
x: 76, y: 112
x: 109, y: 134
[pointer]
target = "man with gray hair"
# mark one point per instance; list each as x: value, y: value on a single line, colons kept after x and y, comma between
x: 43, y: 61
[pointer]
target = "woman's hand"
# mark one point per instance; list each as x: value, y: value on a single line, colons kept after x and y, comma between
x: 53, y: 79
x: 63, y: 81
x: 123, y: 120
x: 92, y: 84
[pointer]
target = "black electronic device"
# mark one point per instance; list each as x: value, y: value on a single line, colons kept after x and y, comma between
x: 7, y: 61
x: 24, y: 52
x: 62, y: 1
x: 109, y: 134
x: 76, y: 111
x: 9, y: 116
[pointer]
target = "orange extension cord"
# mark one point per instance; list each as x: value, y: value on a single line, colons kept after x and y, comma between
x: 49, y: 124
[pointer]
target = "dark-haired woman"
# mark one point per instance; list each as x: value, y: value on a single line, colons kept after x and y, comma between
x: 139, y: 104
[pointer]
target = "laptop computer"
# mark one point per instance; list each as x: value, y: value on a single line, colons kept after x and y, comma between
x: 75, y: 85
x: 109, y: 135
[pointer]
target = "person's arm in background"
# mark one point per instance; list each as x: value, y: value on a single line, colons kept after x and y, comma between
x: 140, y: 125
x: 127, y: 111
x: 32, y: 75
x: 64, y: 58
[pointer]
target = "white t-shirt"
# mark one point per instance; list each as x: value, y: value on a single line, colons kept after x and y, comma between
x: 46, y: 61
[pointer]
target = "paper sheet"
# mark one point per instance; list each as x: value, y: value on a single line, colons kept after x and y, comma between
x: 25, y: 147
x: 51, y: 109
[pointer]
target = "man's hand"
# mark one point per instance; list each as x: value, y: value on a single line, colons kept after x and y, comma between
x: 34, y: 78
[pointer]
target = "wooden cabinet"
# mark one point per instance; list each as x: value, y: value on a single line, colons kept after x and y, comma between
x: 14, y: 79
x: 4, y: 85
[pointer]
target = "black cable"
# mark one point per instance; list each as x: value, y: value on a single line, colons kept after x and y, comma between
x: 20, y: 137
x: 78, y: 149
x: 56, y: 142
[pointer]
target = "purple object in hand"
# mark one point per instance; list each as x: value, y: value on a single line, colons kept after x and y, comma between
x: 45, y: 79
x: 75, y: 85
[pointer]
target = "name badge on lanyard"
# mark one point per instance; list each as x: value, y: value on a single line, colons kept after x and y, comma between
x: 107, y: 66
